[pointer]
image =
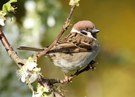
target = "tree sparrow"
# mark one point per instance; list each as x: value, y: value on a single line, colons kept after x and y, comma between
x: 78, y: 49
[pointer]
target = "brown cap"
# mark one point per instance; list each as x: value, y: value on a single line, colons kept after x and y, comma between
x: 83, y: 25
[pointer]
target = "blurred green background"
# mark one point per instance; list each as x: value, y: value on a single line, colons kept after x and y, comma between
x: 37, y: 23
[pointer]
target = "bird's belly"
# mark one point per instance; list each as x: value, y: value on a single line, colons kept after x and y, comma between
x: 69, y: 62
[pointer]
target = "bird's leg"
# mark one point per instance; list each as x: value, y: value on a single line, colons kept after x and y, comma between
x: 91, y: 65
x: 66, y: 79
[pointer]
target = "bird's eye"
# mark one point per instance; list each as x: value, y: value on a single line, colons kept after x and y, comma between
x: 87, y: 29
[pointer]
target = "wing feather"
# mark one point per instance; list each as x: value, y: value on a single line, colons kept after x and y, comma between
x: 73, y: 43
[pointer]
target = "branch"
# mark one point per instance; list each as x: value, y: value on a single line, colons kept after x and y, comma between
x: 50, y: 82
x: 10, y: 50
x: 64, y: 28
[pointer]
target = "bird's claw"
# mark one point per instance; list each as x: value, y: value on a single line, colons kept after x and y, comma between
x: 67, y: 79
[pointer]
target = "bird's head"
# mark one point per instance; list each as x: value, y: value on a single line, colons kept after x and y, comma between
x: 86, y: 28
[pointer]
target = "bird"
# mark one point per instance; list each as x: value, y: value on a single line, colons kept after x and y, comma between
x: 76, y: 50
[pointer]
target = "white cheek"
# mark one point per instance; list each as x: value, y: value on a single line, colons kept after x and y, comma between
x: 89, y: 35
x: 74, y: 30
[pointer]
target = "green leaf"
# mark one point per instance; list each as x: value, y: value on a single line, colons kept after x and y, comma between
x: 7, y: 6
x: 12, y: 1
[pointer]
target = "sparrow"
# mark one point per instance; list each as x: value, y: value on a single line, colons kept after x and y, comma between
x: 77, y: 50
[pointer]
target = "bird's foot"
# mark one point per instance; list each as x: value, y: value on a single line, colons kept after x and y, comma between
x: 67, y: 79
x: 91, y: 65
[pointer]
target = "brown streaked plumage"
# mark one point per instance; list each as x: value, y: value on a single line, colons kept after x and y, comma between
x: 77, y: 49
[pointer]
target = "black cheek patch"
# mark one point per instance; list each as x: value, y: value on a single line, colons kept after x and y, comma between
x: 85, y: 33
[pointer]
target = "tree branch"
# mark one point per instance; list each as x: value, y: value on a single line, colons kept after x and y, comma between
x: 10, y: 50
x: 64, y: 28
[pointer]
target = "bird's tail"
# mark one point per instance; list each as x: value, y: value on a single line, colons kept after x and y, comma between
x: 30, y: 48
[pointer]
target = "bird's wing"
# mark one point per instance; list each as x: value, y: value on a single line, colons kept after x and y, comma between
x: 74, y: 42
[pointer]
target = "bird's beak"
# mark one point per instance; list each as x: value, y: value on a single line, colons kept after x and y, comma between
x: 95, y: 30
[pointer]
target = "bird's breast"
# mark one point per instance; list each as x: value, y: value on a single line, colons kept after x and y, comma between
x: 68, y: 62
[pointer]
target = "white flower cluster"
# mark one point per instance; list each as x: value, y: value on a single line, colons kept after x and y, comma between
x: 42, y: 92
x: 29, y: 72
x: 2, y: 22
x: 2, y: 18
x: 74, y: 2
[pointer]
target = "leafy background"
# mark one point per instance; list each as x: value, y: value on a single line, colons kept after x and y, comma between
x: 38, y: 22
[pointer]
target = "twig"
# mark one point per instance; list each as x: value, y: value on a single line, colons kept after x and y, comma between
x: 10, y: 50
x: 64, y: 28
x: 49, y: 83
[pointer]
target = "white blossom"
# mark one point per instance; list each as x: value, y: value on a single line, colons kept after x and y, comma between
x: 2, y: 23
x: 29, y: 72
x: 74, y: 2
x: 30, y: 65
x: 42, y: 91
